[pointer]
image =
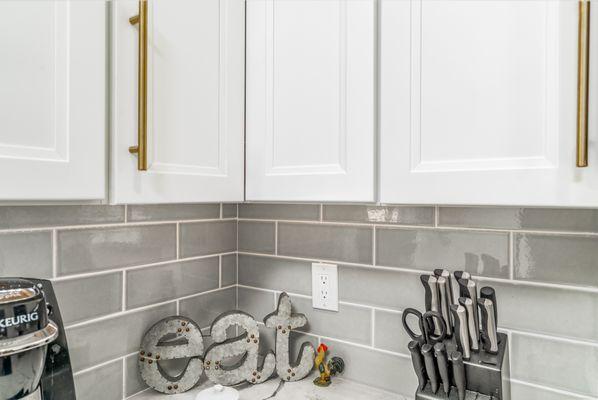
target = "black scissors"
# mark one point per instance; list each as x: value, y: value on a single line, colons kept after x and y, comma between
x: 427, y: 322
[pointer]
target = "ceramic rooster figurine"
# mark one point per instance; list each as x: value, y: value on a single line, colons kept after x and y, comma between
x: 334, y: 366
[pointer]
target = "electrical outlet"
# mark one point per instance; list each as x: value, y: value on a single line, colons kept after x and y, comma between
x: 324, y: 286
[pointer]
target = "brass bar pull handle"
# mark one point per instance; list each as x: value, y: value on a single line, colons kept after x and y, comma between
x: 583, y: 69
x: 141, y: 148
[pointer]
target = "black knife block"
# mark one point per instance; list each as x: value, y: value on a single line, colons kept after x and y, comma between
x: 487, y: 375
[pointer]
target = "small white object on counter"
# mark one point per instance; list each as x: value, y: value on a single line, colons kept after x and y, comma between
x: 341, y: 389
x: 218, y: 392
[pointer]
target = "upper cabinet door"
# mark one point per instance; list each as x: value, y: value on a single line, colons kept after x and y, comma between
x: 52, y: 100
x: 310, y: 100
x: 195, y: 102
x: 478, y: 103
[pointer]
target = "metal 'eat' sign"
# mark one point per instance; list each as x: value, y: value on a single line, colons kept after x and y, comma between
x: 180, y: 338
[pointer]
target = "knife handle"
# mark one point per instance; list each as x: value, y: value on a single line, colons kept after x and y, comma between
x: 461, y: 275
x: 474, y: 331
x: 440, y: 351
x: 461, y: 329
x: 459, y: 373
x: 430, y: 284
x: 418, y: 363
x: 489, y: 334
x: 430, y: 362
x: 471, y: 291
x: 488, y: 292
x: 445, y: 303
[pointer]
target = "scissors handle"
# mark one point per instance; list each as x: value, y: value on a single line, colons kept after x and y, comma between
x: 432, y: 319
x: 421, y: 338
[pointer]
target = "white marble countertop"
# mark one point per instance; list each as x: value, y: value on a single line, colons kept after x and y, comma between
x: 341, y: 389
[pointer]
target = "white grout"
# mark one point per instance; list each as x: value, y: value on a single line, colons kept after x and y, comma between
x: 511, y: 256
x: 178, y: 240
x: 54, y: 253
x: 436, y: 216
x: 124, y: 291
x: 219, y: 271
x: 126, y: 219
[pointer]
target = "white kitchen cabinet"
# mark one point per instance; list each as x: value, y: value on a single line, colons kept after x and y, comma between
x: 52, y: 100
x: 195, y: 102
x: 310, y: 127
x: 478, y: 103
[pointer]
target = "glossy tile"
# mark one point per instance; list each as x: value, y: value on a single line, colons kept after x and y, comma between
x: 172, y: 212
x: 525, y: 308
x: 275, y: 273
x: 205, y: 308
x: 327, y: 242
x: 480, y: 253
x: 203, y: 238
x: 557, y: 364
x: 170, y: 281
x: 85, y: 298
x: 567, y: 259
x: 229, y: 210
x: 12, y: 217
x: 406, y: 215
x: 554, y: 219
x: 381, y: 370
x: 229, y: 269
x: 133, y: 382
x: 521, y: 391
x: 257, y: 237
x: 390, y: 334
x: 87, y: 250
x: 350, y: 323
x: 102, y: 383
x: 97, y: 342
x: 26, y: 254
x: 258, y: 303
x: 305, y: 212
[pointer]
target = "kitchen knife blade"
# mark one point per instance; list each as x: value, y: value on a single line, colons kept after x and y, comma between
x: 440, y: 351
x: 458, y: 275
x: 473, y: 329
x: 488, y: 292
x: 471, y: 289
x: 459, y: 373
x: 418, y: 364
x: 445, y: 273
x: 432, y: 302
x: 461, y: 330
x: 430, y: 363
x: 445, y: 303
x: 489, y: 335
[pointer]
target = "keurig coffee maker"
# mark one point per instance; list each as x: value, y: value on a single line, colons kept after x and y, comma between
x: 34, y: 357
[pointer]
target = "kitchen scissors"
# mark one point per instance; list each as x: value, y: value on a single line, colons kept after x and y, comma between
x: 426, y: 322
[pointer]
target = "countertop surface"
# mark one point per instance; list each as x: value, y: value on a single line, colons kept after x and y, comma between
x: 341, y: 389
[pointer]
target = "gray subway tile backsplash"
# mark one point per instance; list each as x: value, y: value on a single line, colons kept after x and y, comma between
x: 567, y: 259
x: 170, y: 281
x: 88, y: 250
x: 101, y: 383
x: 27, y: 254
x: 84, y: 298
x: 229, y: 270
x: 229, y: 210
x: 257, y: 237
x: 201, y: 238
x: 133, y: 382
x: 292, y: 276
x: 13, y: 217
x: 406, y: 215
x: 389, y: 332
x: 515, y: 218
x: 203, y: 309
x: 325, y: 241
x: 305, y: 212
x: 171, y: 212
x: 97, y: 342
x: 480, y: 253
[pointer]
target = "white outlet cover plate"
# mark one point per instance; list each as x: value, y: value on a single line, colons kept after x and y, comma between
x: 324, y: 286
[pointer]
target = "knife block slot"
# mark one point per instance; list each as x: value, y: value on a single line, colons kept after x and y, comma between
x: 488, y: 376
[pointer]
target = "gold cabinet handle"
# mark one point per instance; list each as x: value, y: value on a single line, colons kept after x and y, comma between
x: 583, y: 68
x: 141, y: 148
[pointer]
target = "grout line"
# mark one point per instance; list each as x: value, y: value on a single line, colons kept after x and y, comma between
x: 220, y: 271
x: 221, y: 210
x: 178, y: 307
x: 436, y: 215
x: 276, y: 238
x: 581, y: 342
x: 585, y: 289
x: 144, y: 308
x: 321, y: 212
x: 124, y: 291
x: 374, y: 230
x: 552, y: 390
x: 102, y: 364
x: 373, y: 327
x: 54, y: 253
x: 126, y: 219
x: 511, y: 257
x: 363, y: 346
x: 112, y: 225
x: 136, y: 267
x: 124, y: 361
x: 178, y: 240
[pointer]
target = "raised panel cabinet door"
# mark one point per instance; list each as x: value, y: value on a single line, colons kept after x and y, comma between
x: 310, y: 100
x: 195, y: 102
x: 478, y: 103
x: 52, y: 100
